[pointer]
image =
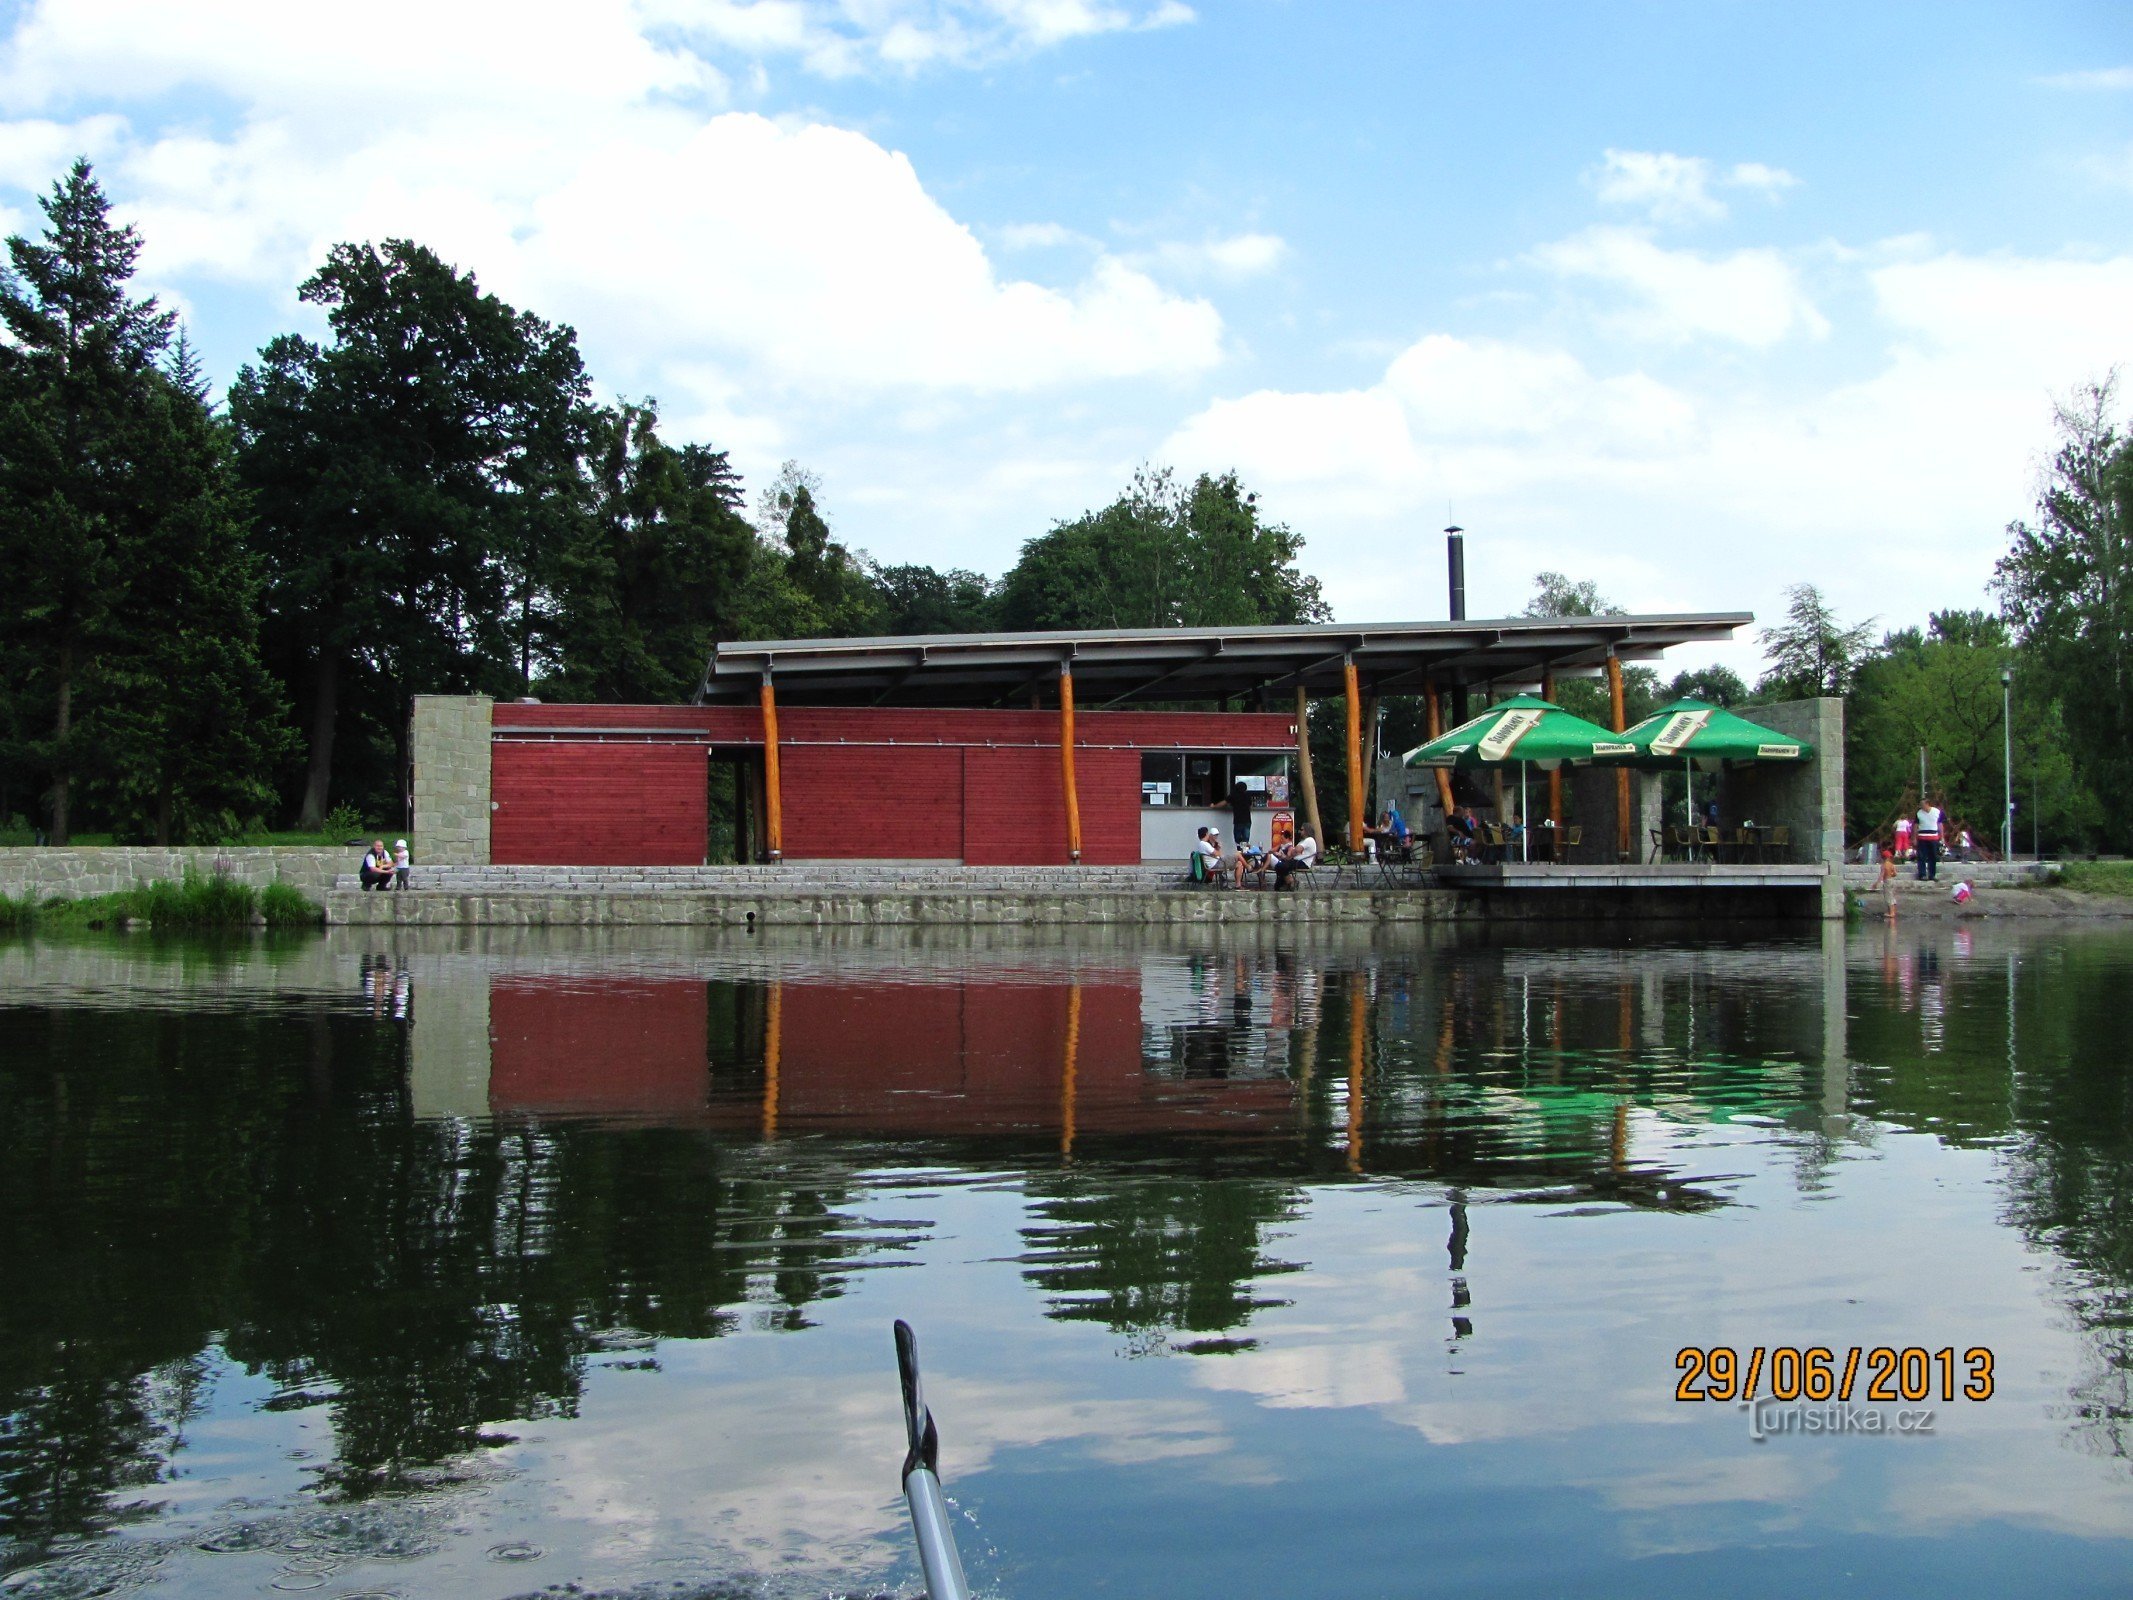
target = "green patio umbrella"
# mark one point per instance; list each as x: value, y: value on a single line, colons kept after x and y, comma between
x: 1691, y: 730
x: 1525, y: 730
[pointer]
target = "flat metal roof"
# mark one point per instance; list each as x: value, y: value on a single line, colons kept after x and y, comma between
x: 1123, y: 665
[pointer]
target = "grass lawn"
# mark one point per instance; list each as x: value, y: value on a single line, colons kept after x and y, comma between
x: 2098, y: 877
x: 197, y: 902
x: 353, y: 841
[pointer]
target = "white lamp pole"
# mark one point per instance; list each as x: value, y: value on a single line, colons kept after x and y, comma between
x: 2007, y: 764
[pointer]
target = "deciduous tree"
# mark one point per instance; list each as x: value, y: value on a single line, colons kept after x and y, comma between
x: 410, y: 477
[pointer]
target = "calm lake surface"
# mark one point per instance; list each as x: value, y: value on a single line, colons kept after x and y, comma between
x: 492, y: 1263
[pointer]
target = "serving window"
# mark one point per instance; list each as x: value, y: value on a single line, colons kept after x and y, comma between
x: 1203, y: 778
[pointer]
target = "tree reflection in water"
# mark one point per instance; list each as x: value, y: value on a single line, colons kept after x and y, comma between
x: 665, y: 1156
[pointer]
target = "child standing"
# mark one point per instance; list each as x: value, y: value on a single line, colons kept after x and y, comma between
x: 400, y: 864
x: 1887, y: 884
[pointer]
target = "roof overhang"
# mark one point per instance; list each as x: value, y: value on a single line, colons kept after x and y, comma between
x: 1154, y: 665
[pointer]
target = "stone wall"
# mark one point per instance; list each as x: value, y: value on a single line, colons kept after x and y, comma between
x: 450, y: 756
x: 1808, y: 798
x: 76, y: 873
x: 1593, y: 799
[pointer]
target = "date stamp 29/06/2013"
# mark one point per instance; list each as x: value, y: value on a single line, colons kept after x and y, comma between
x: 1880, y: 1374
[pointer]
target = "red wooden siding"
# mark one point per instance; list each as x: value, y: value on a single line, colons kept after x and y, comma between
x: 601, y: 785
x: 567, y: 803
x: 874, y: 802
x: 634, y: 1045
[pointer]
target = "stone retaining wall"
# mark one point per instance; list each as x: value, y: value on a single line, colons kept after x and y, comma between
x: 76, y: 873
x: 906, y: 908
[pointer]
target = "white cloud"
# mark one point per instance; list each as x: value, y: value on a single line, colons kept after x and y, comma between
x: 1749, y: 297
x: 2114, y: 171
x: 1242, y: 255
x: 1039, y: 236
x: 586, y: 172
x: 840, y: 38
x: 1771, y: 181
x: 1671, y: 188
x: 2095, y: 78
x: 1890, y: 488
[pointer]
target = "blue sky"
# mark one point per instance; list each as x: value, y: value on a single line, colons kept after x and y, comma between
x: 1697, y: 301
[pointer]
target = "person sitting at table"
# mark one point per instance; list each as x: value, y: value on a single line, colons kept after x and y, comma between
x: 1391, y: 831
x: 1463, y: 829
x: 1298, y: 857
x: 1250, y: 860
x: 1206, y: 858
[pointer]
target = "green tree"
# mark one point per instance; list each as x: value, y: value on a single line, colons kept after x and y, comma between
x: 841, y: 602
x: 1162, y: 555
x: 2066, y: 586
x: 1721, y: 686
x: 410, y: 477
x: 1811, y: 653
x: 187, y: 723
x: 656, y: 573
x: 917, y: 599
x: 77, y: 386
x: 131, y: 630
x: 1554, y: 595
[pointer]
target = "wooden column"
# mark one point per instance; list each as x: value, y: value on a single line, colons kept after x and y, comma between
x: 1069, y: 1068
x: 1555, y: 778
x: 773, y: 796
x: 1066, y: 761
x: 1305, y: 782
x: 1436, y: 728
x: 1358, y: 1020
x: 773, y: 1056
x: 1355, y: 754
x: 1614, y: 701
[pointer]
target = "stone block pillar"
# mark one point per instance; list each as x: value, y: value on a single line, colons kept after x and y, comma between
x: 1593, y: 791
x: 450, y: 747
x: 1808, y: 798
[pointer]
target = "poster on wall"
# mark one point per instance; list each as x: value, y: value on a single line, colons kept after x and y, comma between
x: 1277, y: 789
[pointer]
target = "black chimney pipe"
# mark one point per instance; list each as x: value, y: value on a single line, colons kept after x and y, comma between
x: 1455, y: 568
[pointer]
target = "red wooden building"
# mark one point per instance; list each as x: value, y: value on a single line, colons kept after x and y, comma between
x: 984, y: 749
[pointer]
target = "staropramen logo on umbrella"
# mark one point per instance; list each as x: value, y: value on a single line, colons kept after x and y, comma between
x: 1511, y: 727
x: 1680, y: 728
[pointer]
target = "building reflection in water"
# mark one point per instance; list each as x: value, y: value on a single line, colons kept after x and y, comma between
x: 560, y: 1160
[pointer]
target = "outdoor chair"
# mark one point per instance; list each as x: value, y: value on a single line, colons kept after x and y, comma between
x: 1712, y: 843
x: 1780, y: 842
x: 1682, y: 841
x: 1393, y: 856
x: 1658, y: 850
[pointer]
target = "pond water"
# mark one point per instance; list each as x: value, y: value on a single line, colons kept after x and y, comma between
x: 493, y: 1263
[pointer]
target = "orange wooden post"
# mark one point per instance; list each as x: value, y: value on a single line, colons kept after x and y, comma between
x: 1436, y: 728
x: 1614, y: 698
x: 1355, y: 755
x: 1066, y: 761
x: 773, y: 798
x: 1555, y: 776
x: 1306, y: 780
x: 773, y: 1054
x: 1357, y: 1020
x: 1071, y: 1066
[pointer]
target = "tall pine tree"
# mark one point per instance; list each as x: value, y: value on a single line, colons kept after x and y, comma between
x: 128, y: 633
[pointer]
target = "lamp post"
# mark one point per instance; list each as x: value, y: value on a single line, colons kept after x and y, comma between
x: 2007, y: 762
